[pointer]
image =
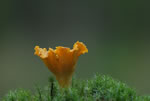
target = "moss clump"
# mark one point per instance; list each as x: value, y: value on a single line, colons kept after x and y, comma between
x: 99, y: 88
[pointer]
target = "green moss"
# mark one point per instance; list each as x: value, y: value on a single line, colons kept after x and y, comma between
x: 99, y: 88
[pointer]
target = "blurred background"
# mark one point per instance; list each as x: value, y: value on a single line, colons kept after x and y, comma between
x: 115, y: 32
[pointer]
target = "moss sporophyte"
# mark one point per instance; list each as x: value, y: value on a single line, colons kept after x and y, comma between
x: 61, y: 61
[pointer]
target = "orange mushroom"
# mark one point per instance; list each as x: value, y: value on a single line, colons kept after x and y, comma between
x: 61, y: 61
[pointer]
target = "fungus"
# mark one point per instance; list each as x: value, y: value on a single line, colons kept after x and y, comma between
x: 61, y: 61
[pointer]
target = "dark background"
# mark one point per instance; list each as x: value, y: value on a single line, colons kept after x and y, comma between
x: 115, y: 32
